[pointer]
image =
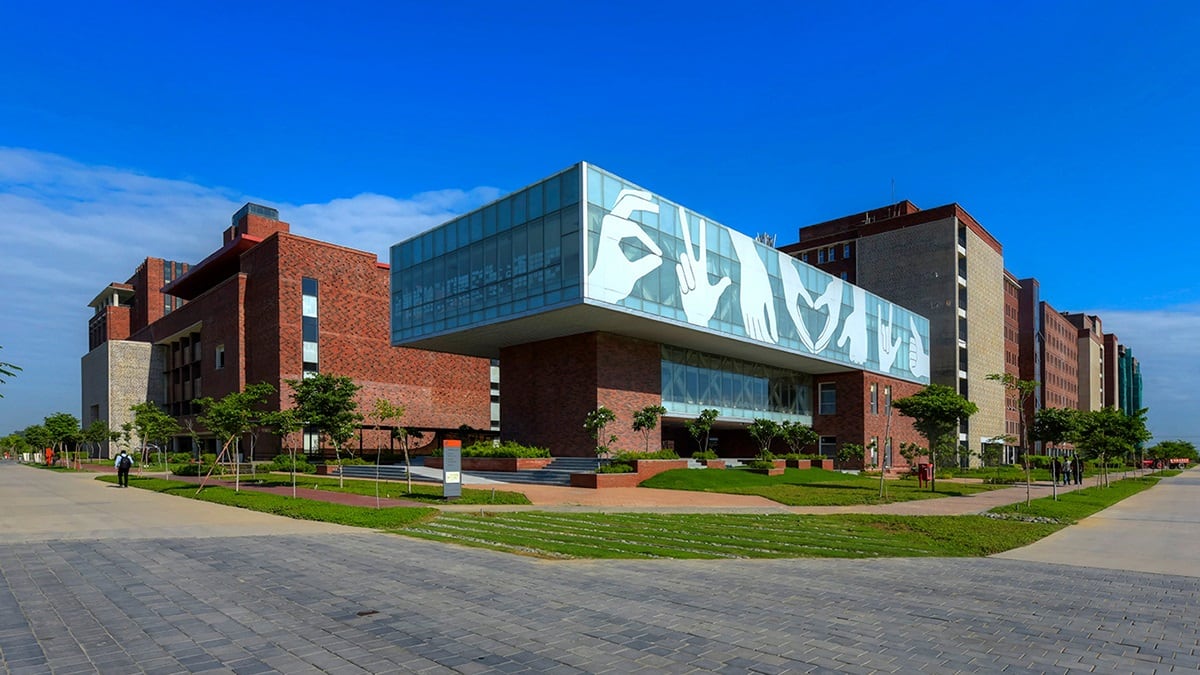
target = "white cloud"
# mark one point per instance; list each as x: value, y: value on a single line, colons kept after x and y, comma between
x: 68, y: 229
x: 1166, y: 344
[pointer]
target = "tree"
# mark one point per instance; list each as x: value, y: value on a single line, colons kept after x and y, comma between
x: 1023, y: 390
x: 850, y: 452
x: 383, y: 413
x: 63, y: 429
x: 701, y: 428
x: 798, y: 436
x: 1053, y: 426
x: 764, y: 431
x: 326, y: 403
x: 37, y: 436
x: 152, y: 424
x: 645, y: 421
x: 97, y: 433
x: 284, y: 423
x: 595, y: 422
x: 1109, y: 432
x: 7, y: 370
x: 936, y: 411
x: 1165, y: 451
x: 233, y: 416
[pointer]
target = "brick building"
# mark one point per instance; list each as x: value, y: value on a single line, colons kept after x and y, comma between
x: 592, y: 291
x: 268, y: 306
x: 940, y: 262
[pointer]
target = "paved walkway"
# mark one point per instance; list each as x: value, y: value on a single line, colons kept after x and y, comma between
x: 220, y: 590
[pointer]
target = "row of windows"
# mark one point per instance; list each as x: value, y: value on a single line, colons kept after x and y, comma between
x: 827, y: 398
x: 309, y: 328
x: 697, y: 379
x: 828, y: 254
x: 549, y: 196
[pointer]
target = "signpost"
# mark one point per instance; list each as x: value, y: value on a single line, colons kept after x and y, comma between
x: 451, y: 469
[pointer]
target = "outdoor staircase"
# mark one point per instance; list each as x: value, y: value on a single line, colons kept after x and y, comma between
x: 557, y: 472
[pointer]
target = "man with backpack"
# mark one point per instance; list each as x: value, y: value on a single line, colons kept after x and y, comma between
x: 124, y: 463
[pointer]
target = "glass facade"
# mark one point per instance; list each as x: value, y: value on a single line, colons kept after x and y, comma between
x: 517, y: 255
x: 693, y: 381
x: 587, y: 237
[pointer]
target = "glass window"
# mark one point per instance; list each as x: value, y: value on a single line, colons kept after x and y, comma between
x: 820, y: 256
x: 804, y: 256
x: 846, y: 251
x: 570, y: 187
x: 827, y: 392
x: 534, y: 206
x: 887, y: 399
x: 518, y: 208
x: 832, y: 253
x: 489, y: 220
x: 219, y: 357
x: 309, y: 305
x: 309, y: 286
x: 309, y: 328
x: 552, y: 196
x: 828, y: 446
x: 874, y: 398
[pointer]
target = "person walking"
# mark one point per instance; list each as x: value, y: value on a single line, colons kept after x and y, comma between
x: 123, y: 463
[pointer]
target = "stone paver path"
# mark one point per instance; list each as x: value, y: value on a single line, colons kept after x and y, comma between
x: 225, y: 594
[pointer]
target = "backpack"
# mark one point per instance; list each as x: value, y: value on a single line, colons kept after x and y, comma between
x: 126, y: 462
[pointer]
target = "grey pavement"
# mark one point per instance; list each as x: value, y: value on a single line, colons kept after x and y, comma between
x: 1153, y: 531
x: 83, y: 598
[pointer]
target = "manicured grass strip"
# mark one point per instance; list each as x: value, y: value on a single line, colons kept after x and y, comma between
x: 599, y: 535
x: 807, y: 487
x: 388, y: 489
x: 1074, y: 506
x: 304, y: 509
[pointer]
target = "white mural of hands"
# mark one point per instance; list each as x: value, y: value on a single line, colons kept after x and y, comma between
x: 888, y: 348
x: 698, y: 296
x: 758, y: 304
x: 854, y: 330
x: 918, y: 358
x: 614, y: 275
x: 794, y: 290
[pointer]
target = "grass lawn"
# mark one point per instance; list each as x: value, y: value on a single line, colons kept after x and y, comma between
x: 653, y: 535
x: 388, y: 489
x: 808, y: 487
x: 304, y: 509
x: 1074, y: 506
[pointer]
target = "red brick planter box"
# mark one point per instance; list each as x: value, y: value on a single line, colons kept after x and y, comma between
x: 800, y: 463
x: 494, y: 463
x: 643, y: 469
x: 714, y: 463
x: 826, y: 464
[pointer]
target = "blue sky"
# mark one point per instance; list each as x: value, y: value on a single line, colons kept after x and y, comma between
x: 1068, y: 129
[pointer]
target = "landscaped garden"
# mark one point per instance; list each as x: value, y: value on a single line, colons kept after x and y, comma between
x: 809, y: 487
x: 643, y: 535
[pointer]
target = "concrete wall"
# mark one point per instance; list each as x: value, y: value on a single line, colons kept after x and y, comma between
x: 985, y: 340
x: 116, y: 376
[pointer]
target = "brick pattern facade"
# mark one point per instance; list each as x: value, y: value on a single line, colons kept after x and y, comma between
x: 854, y: 421
x: 550, y: 387
x: 255, y: 317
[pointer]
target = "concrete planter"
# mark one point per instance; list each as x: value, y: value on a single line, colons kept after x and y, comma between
x: 495, y: 463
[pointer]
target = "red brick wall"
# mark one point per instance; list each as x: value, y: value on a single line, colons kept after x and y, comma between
x: 853, y: 421
x: 549, y: 387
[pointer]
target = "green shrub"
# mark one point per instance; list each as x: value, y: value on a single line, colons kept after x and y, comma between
x: 508, y: 449
x: 208, y: 459
x: 193, y: 469
x: 761, y: 464
x: 705, y: 454
x: 626, y: 456
x: 615, y: 468
x: 347, y: 461
x: 793, y: 456
x: 283, y: 462
x: 180, y: 458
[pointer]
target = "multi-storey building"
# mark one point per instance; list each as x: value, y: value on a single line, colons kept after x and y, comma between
x: 268, y: 306
x: 1090, y: 338
x: 1129, y: 381
x: 592, y: 291
x: 940, y: 262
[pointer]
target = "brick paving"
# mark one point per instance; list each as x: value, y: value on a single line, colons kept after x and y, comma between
x: 350, y: 601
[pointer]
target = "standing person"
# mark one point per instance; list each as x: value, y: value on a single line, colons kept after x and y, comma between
x: 1066, y: 474
x: 123, y: 463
